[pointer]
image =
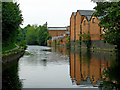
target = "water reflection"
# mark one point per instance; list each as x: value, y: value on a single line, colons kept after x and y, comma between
x: 62, y: 68
x: 61, y: 50
x: 10, y: 78
x: 44, y: 69
x: 112, y: 75
x: 86, y: 69
x: 93, y: 69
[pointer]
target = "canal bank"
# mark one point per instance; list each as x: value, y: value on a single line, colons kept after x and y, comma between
x: 94, y: 44
x: 9, y: 59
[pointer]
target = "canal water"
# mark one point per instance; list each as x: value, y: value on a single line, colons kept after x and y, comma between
x: 57, y: 67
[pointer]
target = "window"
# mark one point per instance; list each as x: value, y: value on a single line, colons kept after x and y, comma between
x: 93, y: 20
x: 84, y: 22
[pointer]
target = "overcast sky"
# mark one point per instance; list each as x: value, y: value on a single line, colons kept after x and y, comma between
x: 56, y: 12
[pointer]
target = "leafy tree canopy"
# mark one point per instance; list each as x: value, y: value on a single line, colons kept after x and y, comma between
x: 110, y: 21
x: 11, y: 19
x: 34, y: 35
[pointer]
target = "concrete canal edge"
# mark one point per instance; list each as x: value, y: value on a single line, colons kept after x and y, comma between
x: 8, y: 60
x: 97, y: 45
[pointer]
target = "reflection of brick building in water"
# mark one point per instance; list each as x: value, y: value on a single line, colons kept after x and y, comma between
x: 85, y: 70
x: 61, y: 50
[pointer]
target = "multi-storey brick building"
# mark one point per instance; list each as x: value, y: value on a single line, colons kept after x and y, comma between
x: 95, y: 29
x: 59, y: 34
x: 72, y: 26
x: 57, y: 31
x: 83, y: 21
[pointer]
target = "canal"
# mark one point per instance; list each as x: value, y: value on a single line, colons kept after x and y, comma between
x: 57, y: 67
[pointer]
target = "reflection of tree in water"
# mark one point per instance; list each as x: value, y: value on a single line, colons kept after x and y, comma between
x: 112, y: 75
x: 10, y: 79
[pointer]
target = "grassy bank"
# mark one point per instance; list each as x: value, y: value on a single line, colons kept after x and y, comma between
x: 8, y: 47
x: 5, y: 50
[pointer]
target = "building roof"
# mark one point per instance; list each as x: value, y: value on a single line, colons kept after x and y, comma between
x: 86, y: 12
x: 88, y: 17
x: 57, y: 28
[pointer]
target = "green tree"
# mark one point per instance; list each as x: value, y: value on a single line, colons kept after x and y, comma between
x: 0, y: 13
x: 43, y: 35
x: 37, y: 35
x: 31, y: 35
x: 86, y: 39
x: 110, y: 21
x: 11, y: 19
x: 21, y: 40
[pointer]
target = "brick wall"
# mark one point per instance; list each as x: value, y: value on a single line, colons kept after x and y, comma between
x: 94, y: 28
x: 72, y: 22
x: 61, y: 41
x: 85, y: 26
x: 55, y: 33
x: 77, y: 25
x: 96, y: 43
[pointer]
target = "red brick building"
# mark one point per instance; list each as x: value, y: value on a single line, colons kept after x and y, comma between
x: 72, y: 26
x: 59, y: 34
x: 95, y: 29
x: 83, y: 21
x: 57, y: 31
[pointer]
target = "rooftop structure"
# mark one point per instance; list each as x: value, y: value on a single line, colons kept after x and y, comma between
x: 57, y: 28
x: 87, y: 13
